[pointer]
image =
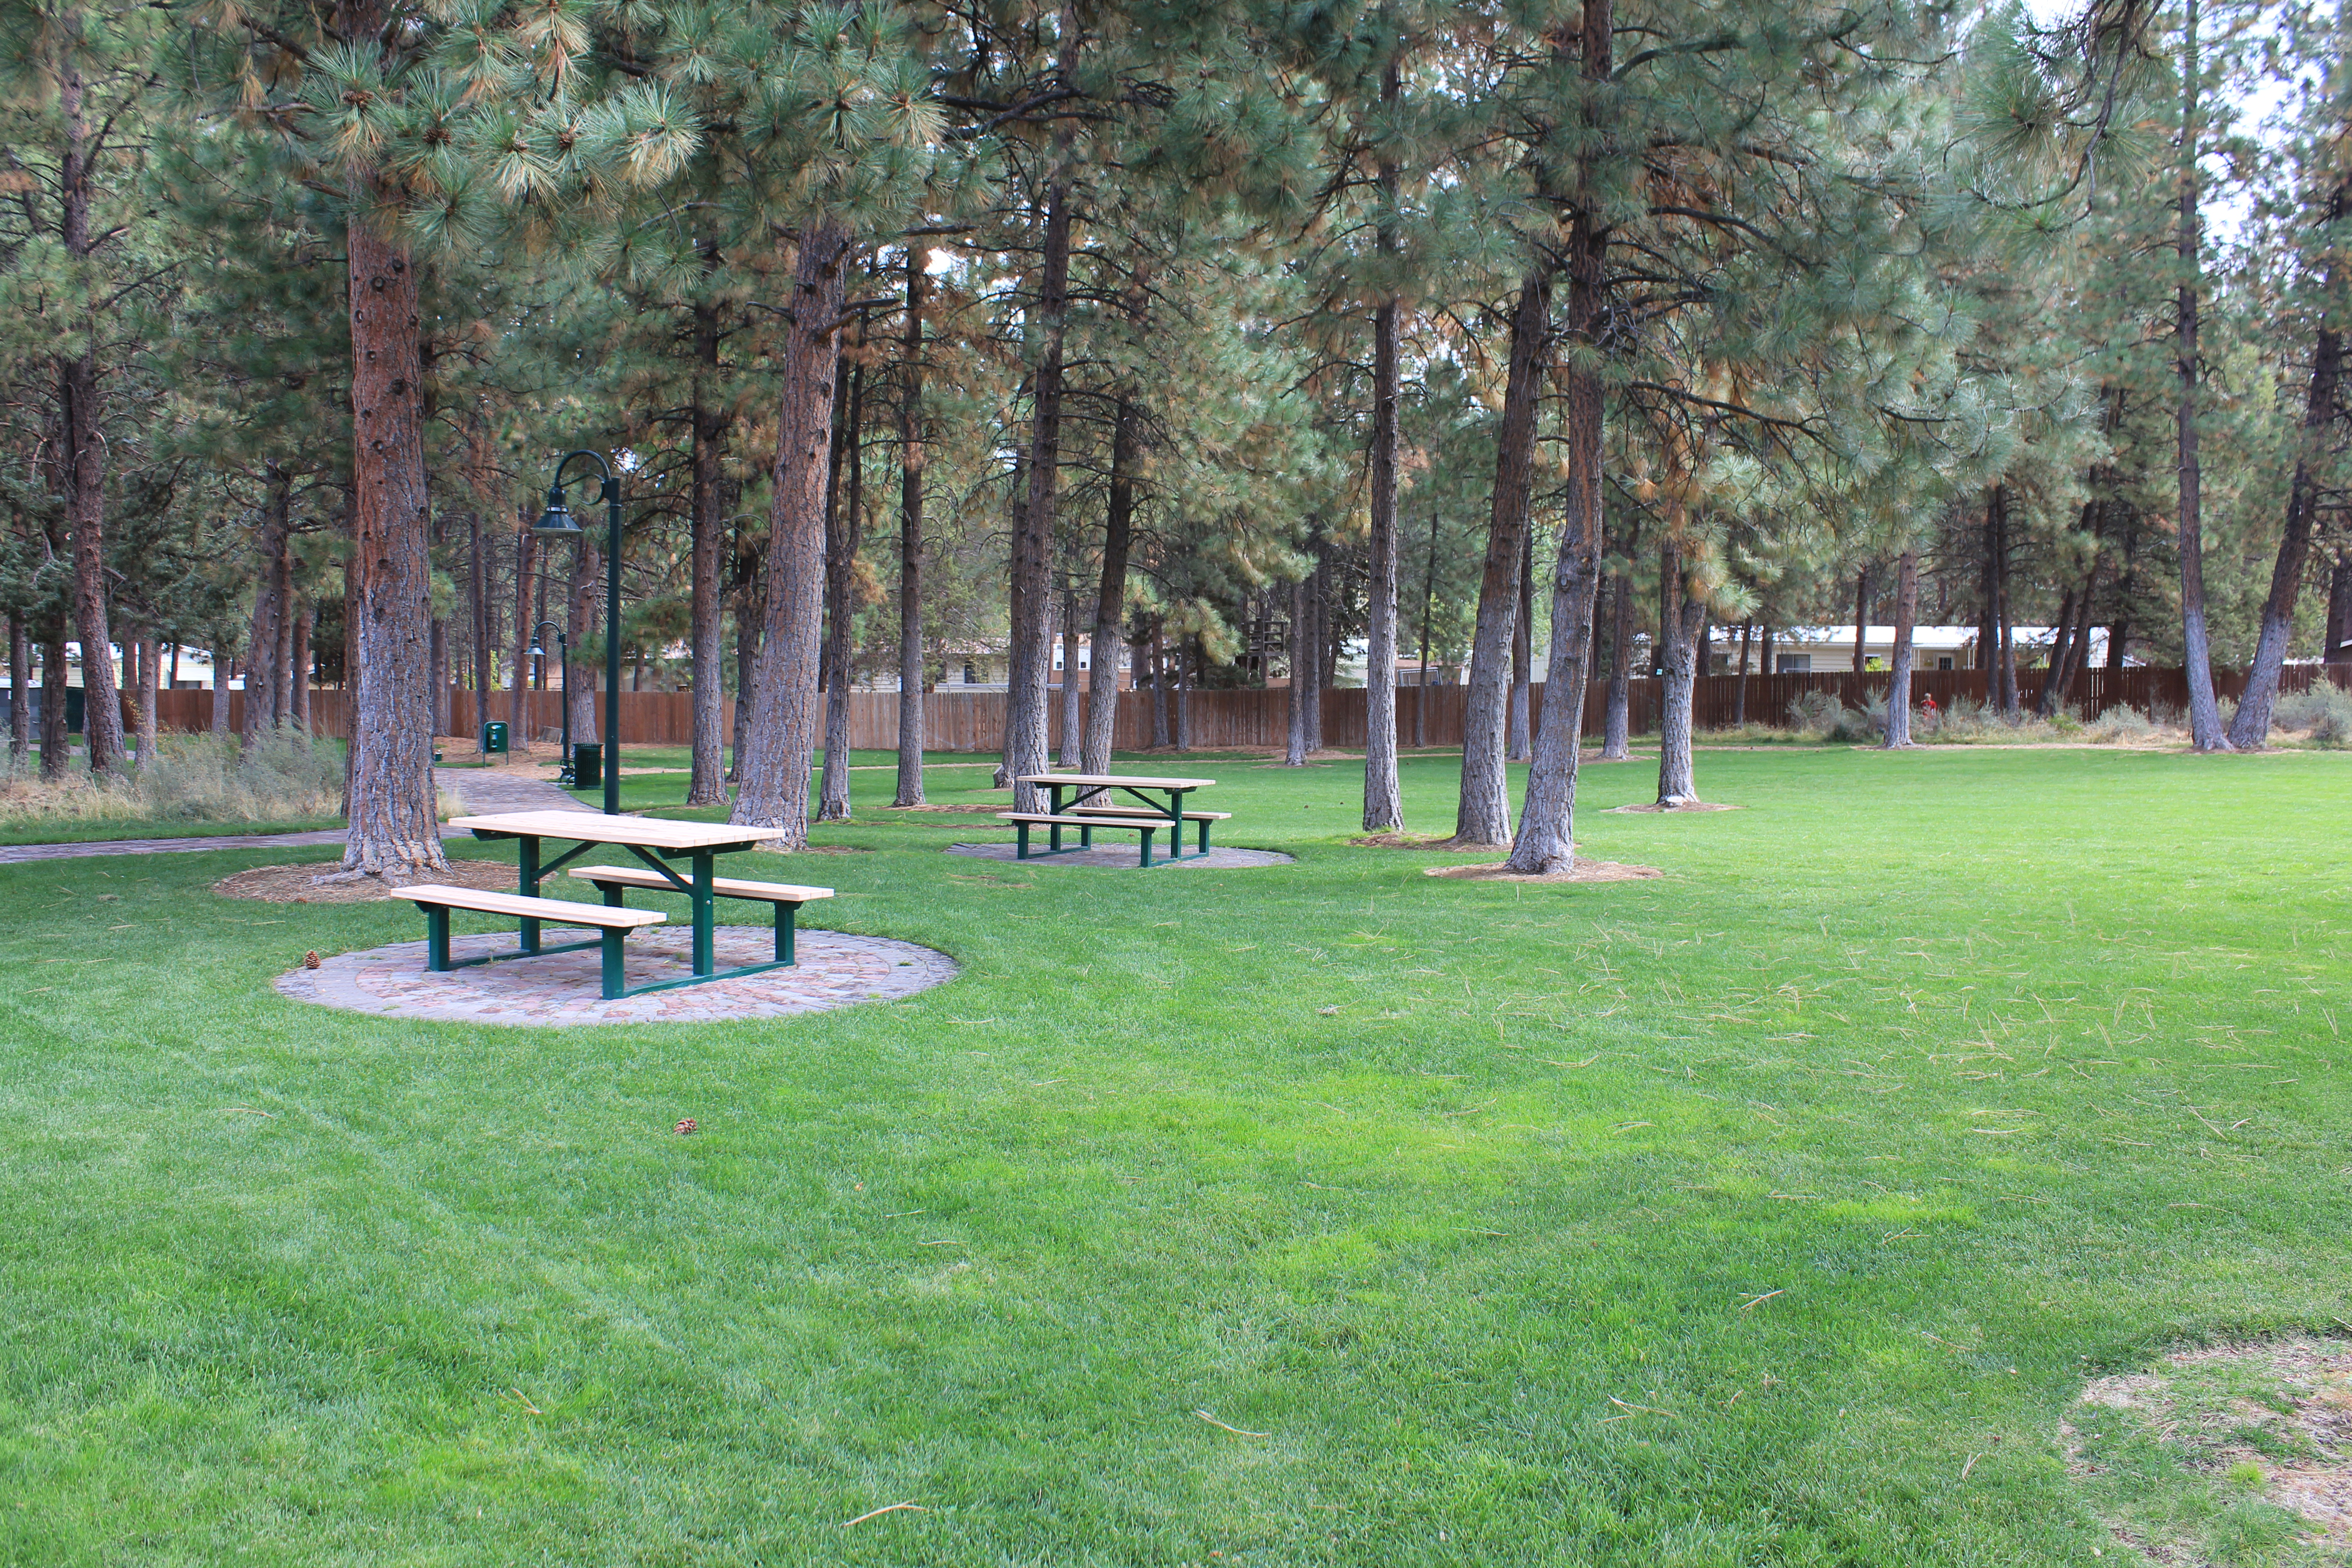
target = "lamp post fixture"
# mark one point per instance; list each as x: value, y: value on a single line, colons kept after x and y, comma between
x: 563, y: 664
x: 558, y: 521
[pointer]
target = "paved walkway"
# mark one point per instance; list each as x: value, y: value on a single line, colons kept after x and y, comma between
x: 477, y: 789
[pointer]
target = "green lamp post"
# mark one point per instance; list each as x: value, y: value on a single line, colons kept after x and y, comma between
x: 563, y: 666
x: 557, y: 521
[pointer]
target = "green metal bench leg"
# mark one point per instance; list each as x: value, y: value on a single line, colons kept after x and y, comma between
x: 1204, y: 835
x: 784, y: 913
x: 1086, y: 836
x: 1147, y: 847
x: 616, y: 978
x: 1021, y: 838
x: 436, y: 940
x: 527, y: 858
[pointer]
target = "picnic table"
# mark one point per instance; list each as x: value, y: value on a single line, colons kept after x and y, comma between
x: 1162, y: 805
x: 652, y: 840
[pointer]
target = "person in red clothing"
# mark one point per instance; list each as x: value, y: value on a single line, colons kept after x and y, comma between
x: 1927, y: 707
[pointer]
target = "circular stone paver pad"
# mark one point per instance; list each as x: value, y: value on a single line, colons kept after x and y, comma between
x: 833, y: 969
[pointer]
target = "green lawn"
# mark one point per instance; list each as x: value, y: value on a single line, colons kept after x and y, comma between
x: 1774, y: 1211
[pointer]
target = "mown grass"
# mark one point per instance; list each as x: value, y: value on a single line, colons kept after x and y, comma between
x: 1774, y: 1211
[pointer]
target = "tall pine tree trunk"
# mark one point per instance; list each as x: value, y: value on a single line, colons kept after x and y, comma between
x: 20, y: 694
x: 1383, y: 797
x: 2336, y: 645
x: 2197, y: 656
x: 261, y: 638
x: 706, y: 782
x: 1294, y: 754
x: 388, y: 603
x: 1522, y: 740
x: 1546, y: 840
x: 53, y: 709
x: 783, y: 729
x: 2250, y: 726
x: 1483, y: 815
x: 1074, y: 712
x: 911, y: 541
x: 1617, y: 718
x: 1861, y: 620
x: 1677, y: 784
x: 1898, y: 686
x: 1161, y: 737
x: 844, y: 511
x: 1319, y: 643
x: 519, y: 717
x: 305, y: 624
x: 580, y: 683
x: 1110, y: 597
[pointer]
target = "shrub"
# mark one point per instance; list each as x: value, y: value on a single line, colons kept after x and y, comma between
x: 2119, y: 723
x: 193, y: 778
x: 2323, y: 713
x: 1814, y: 713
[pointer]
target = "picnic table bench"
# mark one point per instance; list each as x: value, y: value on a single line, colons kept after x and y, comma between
x: 1163, y: 807
x: 654, y: 841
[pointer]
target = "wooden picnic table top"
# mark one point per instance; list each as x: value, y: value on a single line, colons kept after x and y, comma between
x: 1111, y: 780
x: 595, y: 827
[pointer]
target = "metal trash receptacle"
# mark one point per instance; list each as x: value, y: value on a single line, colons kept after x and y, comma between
x: 494, y: 736
x: 587, y: 765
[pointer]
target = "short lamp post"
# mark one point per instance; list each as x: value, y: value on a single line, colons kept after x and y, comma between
x: 563, y: 664
x: 557, y: 521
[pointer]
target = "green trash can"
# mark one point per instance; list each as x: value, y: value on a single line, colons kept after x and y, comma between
x: 587, y: 765
x: 494, y: 736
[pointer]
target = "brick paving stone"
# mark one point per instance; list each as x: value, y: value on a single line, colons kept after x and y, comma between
x: 1124, y: 857
x: 834, y: 969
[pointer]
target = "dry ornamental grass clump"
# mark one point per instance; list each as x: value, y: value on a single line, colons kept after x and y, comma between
x: 283, y: 777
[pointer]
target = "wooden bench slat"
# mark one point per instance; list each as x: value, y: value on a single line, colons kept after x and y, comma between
x: 559, y: 910
x: 725, y: 887
x: 1068, y: 821
x: 1097, y: 813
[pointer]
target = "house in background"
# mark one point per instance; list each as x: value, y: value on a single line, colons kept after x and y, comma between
x: 1800, y: 650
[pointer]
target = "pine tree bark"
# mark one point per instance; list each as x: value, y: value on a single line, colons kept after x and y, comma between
x: 1295, y: 741
x: 1383, y: 796
x: 2336, y: 648
x: 388, y: 605
x: 222, y: 665
x: 2250, y: 726
x: 1522, y: 741
x: 580, y: 625
x: 1161, y: 737
x: 1073, y: 710
x: 1184, y: 656
x: 844, y: 514
x: 1319, y: 644
x: 519, y: 698
x: 1546, y: 840
x: 1861, y: 620
x: 1110, y: 597
x: 910, y: 539
x: 261, y: 637
x: 1617, y: 718
x: 2197, y: 656
x: 20, y: 694
x: 52, y: 710
x: 1483, y: 813
x: 1739, y: 687
x: 1897, y: 733
x: 299, y: 674
x: 782, y: 731
x: 1677, y: 783
x: 479, y: 628
x: 707, y: 420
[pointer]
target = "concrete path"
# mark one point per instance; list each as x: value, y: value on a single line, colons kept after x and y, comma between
x: 477, y: 789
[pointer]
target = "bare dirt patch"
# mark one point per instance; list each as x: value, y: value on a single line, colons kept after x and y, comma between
x: 300, y: 884
x: 1443, y: 845
x: 1678, y: 810
x: 1582, y: 871
x: 2270, y: 1419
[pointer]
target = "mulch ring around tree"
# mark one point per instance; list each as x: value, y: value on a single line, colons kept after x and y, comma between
x: 1581, y: 871
x: 1444, y: 844
x: 300, y: 884
x: 1685, y: 806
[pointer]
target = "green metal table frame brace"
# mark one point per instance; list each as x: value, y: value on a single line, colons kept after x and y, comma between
x: 1173, y: 811
x: 1021, y: 850
x: 786, y: 909
x: 437, y: 960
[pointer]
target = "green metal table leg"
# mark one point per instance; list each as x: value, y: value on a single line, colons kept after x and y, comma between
x: 1204, y: 835
x: 705, y: 960
x: 1147, y: 847
x: 616, y: 978
x: 527, y: 859
x: 784, y: 913
x: 436, y: 939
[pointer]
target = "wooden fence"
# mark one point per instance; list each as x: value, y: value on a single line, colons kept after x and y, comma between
x: 1260, y: 719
